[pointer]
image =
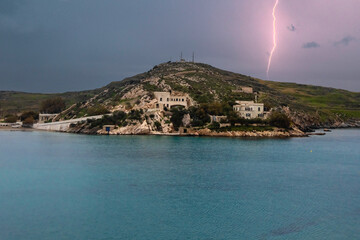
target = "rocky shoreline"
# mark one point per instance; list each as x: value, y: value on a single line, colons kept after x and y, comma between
x: 199, y: 133
x: 277, y: 133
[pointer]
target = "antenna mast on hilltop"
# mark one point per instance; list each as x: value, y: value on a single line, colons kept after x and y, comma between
x: 193, y: 57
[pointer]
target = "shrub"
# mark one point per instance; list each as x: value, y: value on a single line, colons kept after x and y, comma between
x: 97, y: 110
x: 53, y: 105
x: 135, y: 115
x: 199, y: 116
x: 29, y: 121
x: 278, y: 119
x: 128, y: 106
x: 28, y: 114
x: 117, y: 118
x: 214, y: 125
x: 233, y: 118
x: 11, y: 119
x: 158, y: 126
x: 216, y: 108
x: 177, y: 117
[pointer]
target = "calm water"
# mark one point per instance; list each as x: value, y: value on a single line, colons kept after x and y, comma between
x: 64, y: 186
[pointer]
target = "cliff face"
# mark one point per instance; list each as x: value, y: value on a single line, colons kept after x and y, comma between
x: 309, y: 121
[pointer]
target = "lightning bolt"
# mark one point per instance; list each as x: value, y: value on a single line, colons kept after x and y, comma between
x: 274, y: 38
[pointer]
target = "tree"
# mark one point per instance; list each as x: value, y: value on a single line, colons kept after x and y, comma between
x: 53, y: 105
x: 278, y: 119
x: 158, y: 126
x: 135, y: 115
x: 29, y: 121
x: 199, y: 116
x: 28, y: 114
x: 177, y: 116
x: 11, y: 119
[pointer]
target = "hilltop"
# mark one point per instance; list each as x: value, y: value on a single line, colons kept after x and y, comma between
x: 307, y: 106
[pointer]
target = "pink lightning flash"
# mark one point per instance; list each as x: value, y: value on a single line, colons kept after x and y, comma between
x: 274, y: 39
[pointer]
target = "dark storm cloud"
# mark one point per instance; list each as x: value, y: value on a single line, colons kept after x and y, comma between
x: 8, y: 7
x: 345, y: 41
x: 68, y: 45
x: 311, y: 45
x: 291, y: 28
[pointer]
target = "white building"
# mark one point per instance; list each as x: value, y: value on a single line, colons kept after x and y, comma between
x: 170, y: 99
x: 45, y: 117
x: 249, y: 109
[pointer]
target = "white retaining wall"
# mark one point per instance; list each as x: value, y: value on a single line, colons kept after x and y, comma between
x: 63, y: 126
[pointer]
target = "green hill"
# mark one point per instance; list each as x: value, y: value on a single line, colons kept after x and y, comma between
x: 307, y: 105
x: 12, y: 102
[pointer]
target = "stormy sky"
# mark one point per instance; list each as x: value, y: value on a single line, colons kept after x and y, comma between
x: 68, y: 45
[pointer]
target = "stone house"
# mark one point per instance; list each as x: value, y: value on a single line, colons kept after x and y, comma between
x: 171, y: 99
x: 249, y: 109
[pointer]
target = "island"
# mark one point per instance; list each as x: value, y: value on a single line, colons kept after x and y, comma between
x: 186, y: 99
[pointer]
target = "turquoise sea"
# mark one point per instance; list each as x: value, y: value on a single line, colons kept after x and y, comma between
x: 66, y: 186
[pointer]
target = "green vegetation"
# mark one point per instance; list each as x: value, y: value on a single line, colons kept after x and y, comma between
x: 117, y: 118
x: 280, y: 120
x: 28, y: 118
x: 329, y: 103
x: 11, y: 119
x: 17, y: 102
x: 199, y: 116
x: 158, y: 126
x: 177, y: 117
x: 29, y: 114
x: 52, y: 105
x: 213, y: 89
x: 97, y: 110
x: 29, y: 121
x: 150, y: 87
x: 135, y: 115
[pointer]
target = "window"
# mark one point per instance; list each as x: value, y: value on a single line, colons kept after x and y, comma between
x: 167, y: 99
x: 182, y: 99
x: 248, y: 115
x: 160, y: 99
x: 259, y: 109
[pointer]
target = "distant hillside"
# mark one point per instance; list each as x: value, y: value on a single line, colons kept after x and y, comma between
x: 307, y: 105
x: 12, y: 102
